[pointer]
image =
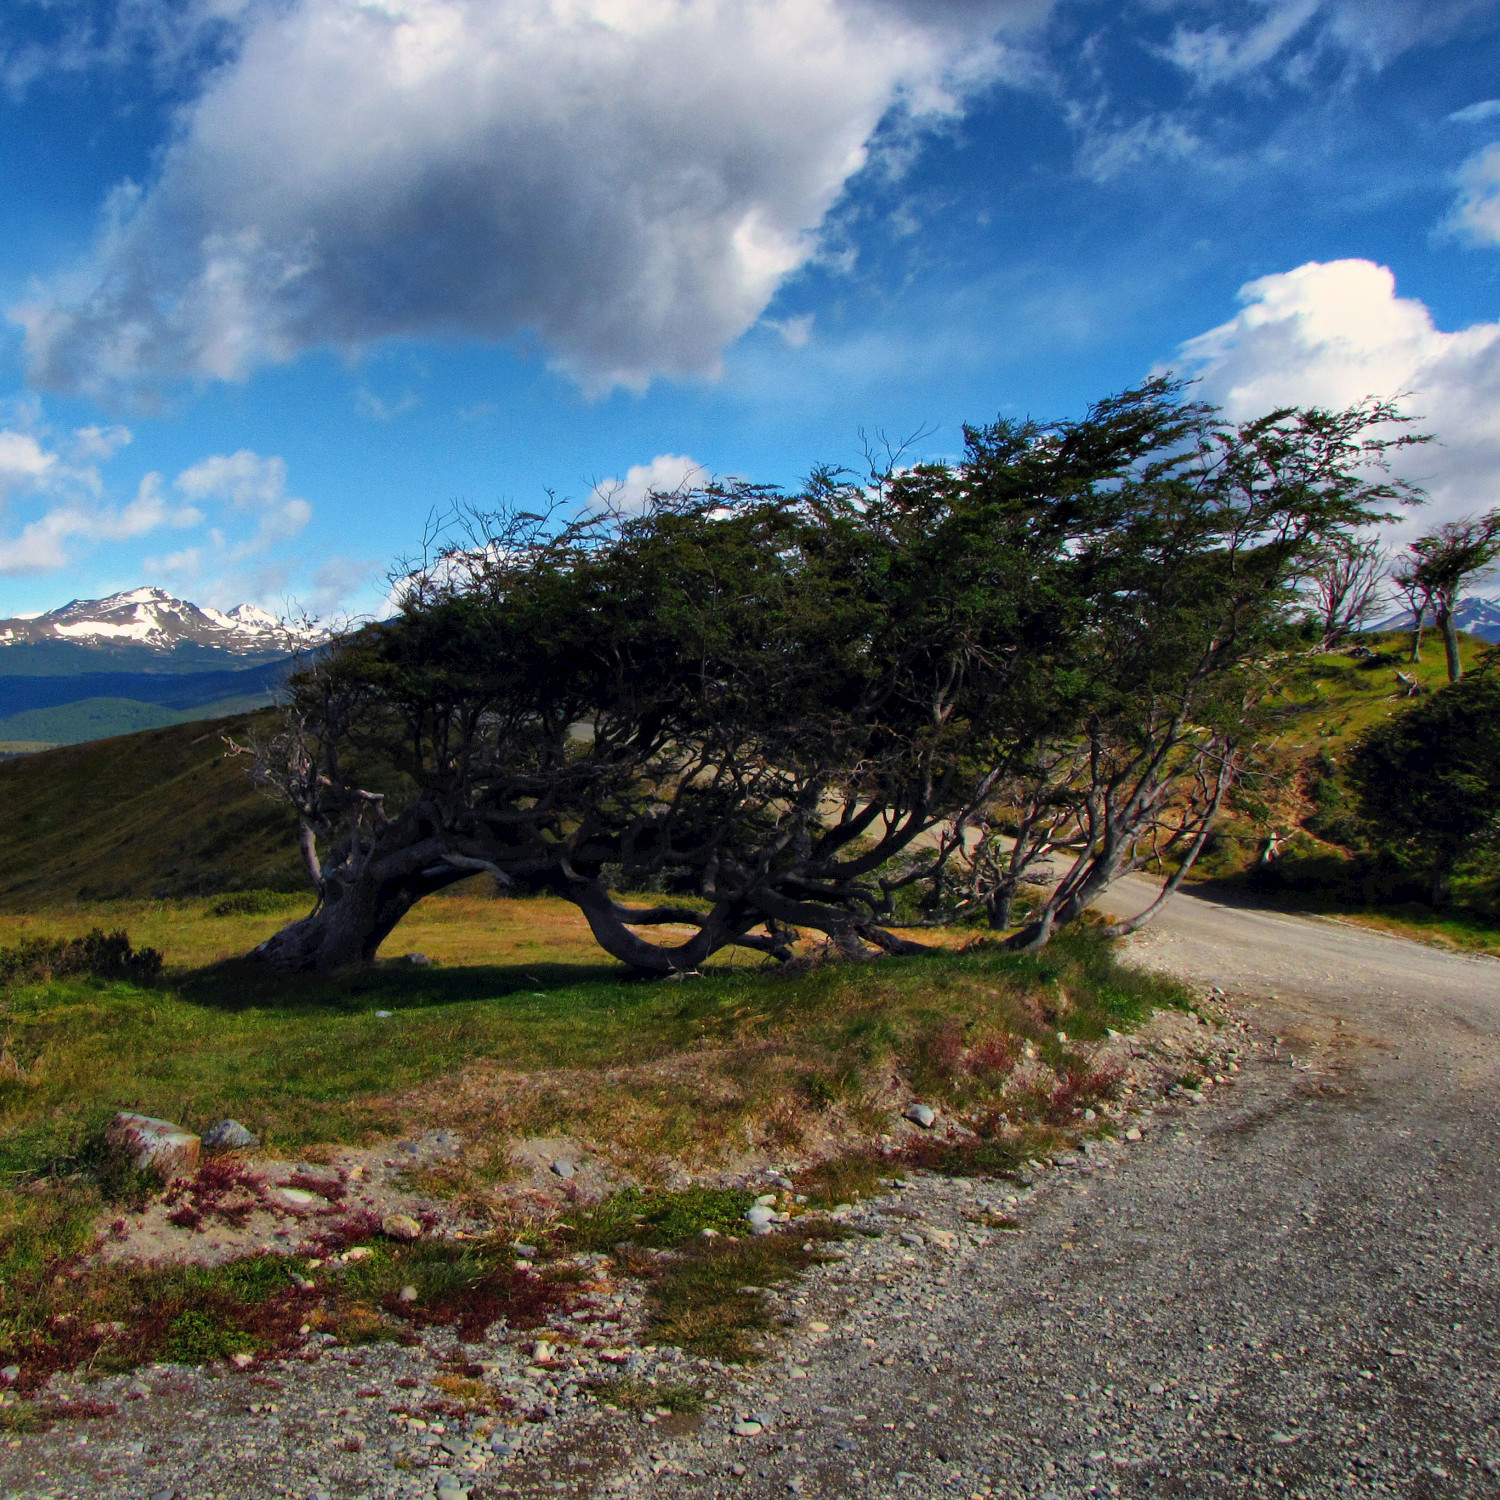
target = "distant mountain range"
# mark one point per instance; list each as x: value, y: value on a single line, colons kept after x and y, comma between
x: 1476, y: 615
x: 137, y: 660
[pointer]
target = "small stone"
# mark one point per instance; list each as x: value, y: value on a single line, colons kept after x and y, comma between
x: 358, y: 1253
x: 563, y: 1168
x: 766, y: 1200
x: 10, y: 1373
x: 738, y: 1470
x: 944, y: 1239
x: 922, y: 1114
x: 400, y: 1227
x: 760, y: 1218
x: 747, y: 1429
x: 407, y: 1294
x: 166, y: 1494
x: 152, y: 1145
x: 912, y: 1238
x: 1135, y: 1133
x: 229, y: 1135
x: 242, y: 1360
x: 1283, y: 1438
x: 297, y: 1197
x: 541, y: 1352
x: 419, y: 960
x: 1156, y: 1388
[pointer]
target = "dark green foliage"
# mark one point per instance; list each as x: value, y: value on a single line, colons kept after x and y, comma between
x: 97, y: 955
x: 1428, y: 780
x: 709, y: 1301
x: 777, y: 703
x: 249, y: 904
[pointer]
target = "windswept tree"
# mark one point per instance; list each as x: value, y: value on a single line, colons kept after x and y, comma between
x: 792, y: 708
x: 1187, y: 591
x: 1437, y: 570
x: 1344, y: 582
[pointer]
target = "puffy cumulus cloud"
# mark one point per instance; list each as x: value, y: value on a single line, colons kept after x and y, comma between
x: 23, y: 460
x: 49, y: 541
x: 63, y: 509
x: 1332, y: 333
x: 664, y: 475
x: 629, y: 180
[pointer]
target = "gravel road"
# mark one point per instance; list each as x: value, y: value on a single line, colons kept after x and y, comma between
x: 1290, y: 1289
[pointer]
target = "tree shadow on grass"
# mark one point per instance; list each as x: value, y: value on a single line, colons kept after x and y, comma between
x: 239, y: 984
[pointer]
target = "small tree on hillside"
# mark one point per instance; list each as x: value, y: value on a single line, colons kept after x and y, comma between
x: 1427, y: 780
x: 1407, y: 583
x: 1345, y: 582
x: 1443, y: 563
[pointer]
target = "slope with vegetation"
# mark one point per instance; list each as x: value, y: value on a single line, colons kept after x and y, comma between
x: 1294, y: 831
x: 158, y: 814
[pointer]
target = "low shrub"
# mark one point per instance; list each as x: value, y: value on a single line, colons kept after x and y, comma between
x: 97, y: 955
x: 256, y: 903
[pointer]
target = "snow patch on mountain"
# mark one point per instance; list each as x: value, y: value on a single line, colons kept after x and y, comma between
x: 154, y: 618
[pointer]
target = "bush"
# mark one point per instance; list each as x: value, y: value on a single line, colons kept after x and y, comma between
x: 99, y: 955
x: 249, y: 904
x: 1428, y: 781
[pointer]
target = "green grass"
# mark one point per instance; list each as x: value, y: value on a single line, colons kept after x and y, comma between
x: 693, y: 1070
x: 312, y: 1062
x: 710, y: 1301
x: 1338, y: 697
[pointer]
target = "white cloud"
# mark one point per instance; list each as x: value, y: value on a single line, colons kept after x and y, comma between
x: 23, y: 460
x: 795, y: 332
x: 99, y: 444
x: 1473, y: 114
x: 246, y: 481
x: 1332, y: 333
x: 666, y: 474
x: 247, y: 490
x: 631, y: 180
x: 46, y: 544
x: 1290, y: 36
x: 1476, y: 215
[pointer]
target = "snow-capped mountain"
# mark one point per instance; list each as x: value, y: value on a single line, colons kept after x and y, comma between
x: 1476, y: 615
x: 154, y: 619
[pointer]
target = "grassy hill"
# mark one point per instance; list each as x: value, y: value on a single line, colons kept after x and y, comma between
x: 159, y: 814
x: 1341, y: 696
x: 104, y: 718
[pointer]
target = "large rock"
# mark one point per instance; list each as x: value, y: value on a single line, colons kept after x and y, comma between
x: 152, y: 1145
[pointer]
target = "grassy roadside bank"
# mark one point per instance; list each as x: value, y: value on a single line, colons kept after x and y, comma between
x: 542, y: 1038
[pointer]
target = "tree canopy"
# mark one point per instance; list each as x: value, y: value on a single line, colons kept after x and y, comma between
x: 800, y: 709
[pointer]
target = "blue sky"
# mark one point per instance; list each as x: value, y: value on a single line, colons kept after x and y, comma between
x: 283, y: 278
